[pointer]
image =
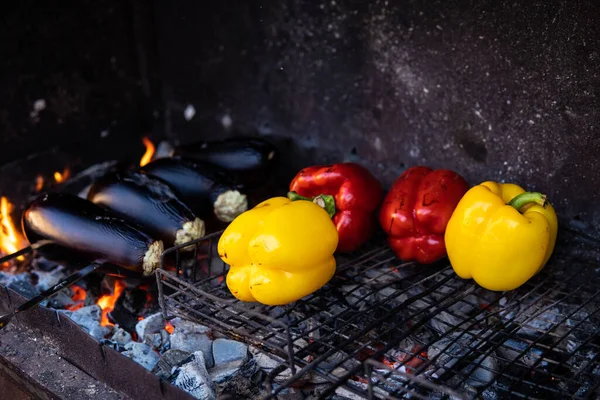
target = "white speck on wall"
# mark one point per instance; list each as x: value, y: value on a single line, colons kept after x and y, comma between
x: 415, y: 152
x: 425, y: 90
x: 377, y: 143
x: 189, y: 112
x: 531, y: 122
x: 39, y: 105
x: 489, y: 127
x: 226, y: 121
x: 104, y: 133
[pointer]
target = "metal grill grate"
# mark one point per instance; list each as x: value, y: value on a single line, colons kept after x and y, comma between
x: 381, y: 329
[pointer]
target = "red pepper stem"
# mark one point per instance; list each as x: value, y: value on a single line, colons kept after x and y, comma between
x: 325, y: 201
x: 523, y: 199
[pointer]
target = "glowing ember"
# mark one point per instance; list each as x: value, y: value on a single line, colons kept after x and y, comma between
x: 169, y: 327
x: 150, y: 149
x: 39, y: 183
x: 10, y: 239
x: 60, y: 177
x: 79, y: 295
x: 107, y: 302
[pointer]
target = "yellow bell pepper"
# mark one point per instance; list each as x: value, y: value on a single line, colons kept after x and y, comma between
x: 279, y: 251
x: 500, y: 235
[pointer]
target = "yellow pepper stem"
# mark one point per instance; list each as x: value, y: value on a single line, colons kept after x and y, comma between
x: 325, y: 201
x: 523, y: 199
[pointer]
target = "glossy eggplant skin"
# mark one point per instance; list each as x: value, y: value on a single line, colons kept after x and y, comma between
x: 199, y: 185
x: 81, y: 230
x: 149, y: 203
x: 250, y: 159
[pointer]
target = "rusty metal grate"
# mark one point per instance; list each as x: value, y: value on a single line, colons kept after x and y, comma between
x: 382, y: 329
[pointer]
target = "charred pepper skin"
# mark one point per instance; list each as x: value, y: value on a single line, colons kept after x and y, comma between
x: 416, y: 210
x: 500, y: 235
x: 279, y: 251
x: 355, y: 193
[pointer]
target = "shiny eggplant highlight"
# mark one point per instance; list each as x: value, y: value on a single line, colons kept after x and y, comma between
x: 204, y: 187
x: 149, y: 203
x: 250, y: 159
x: 80, y: 229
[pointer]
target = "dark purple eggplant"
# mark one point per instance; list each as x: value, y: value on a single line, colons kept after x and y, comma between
x: 202, y: 186
x: 149, y: 203
x: 80, y: 229
x: 251, y: 159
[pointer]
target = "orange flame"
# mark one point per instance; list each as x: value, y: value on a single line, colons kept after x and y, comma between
x: 150, y: 149
x: 39, y: 183
x: 10, y: 239
x: 79, y: 295
x: 169, y: 327
x: 107, y: 302
x: 60, y: 177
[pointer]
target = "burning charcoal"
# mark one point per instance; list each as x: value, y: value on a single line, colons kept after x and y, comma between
x: 157, y: 341
x: 225, y: 350
x: 359, y: 296
x: 142, y: 354
x: 223, y: 372
x: 194, y: 379
x: 121, y: 336
x: 39, y: 263
x: 151, y: 324
x: 290, y: 393
x: 190, y: 336
x: 446, y: 352
x: 128, y: 307
x: 89, y: 319
x: 512, y: 348
x: 164, y: 149
x: 21, y: 284
x: 165, y: 339
x: 169, y: 360
x: 61, y: 300
x: 386, y: 275
x: 482, y: 371
x: 46, y: 280
x: 348, y: 395
x: 538, y: 322
x: 267, y: 364
x: 245, y: 383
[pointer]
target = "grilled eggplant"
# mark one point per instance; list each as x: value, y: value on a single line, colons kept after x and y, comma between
x: 250, y: 159
x: 149, y: 203
x: 80, y: 229
x: 202, y: 186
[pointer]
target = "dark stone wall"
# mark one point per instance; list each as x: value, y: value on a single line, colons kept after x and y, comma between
x: 85, y: 60
x: 494, y: 90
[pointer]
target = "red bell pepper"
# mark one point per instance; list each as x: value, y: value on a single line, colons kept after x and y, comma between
x: 417, y: 209
x: 349, y: 193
